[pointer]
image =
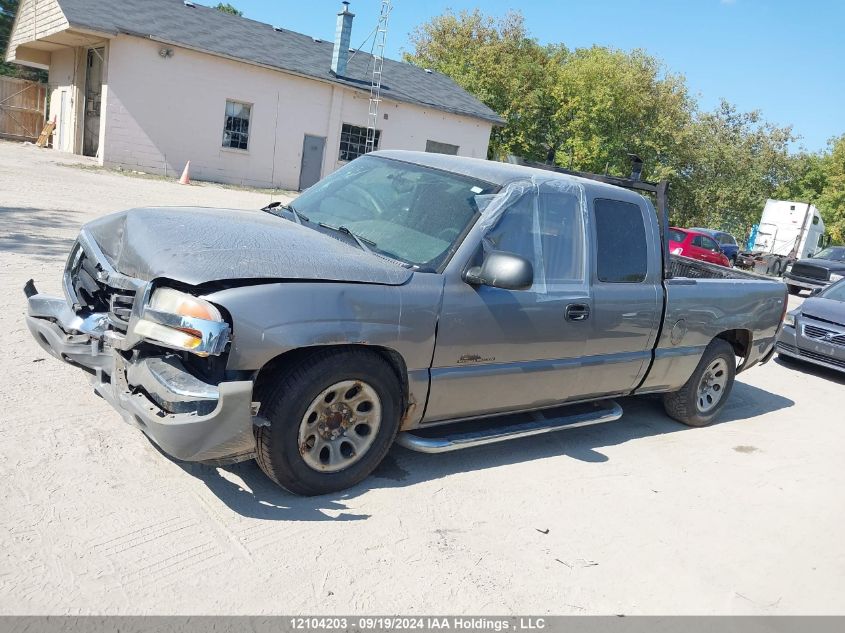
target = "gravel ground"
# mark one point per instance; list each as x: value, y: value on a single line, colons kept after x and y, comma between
x: 638, y: 516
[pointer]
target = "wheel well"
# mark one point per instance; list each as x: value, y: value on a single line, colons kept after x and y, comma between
x: 740, y: 340
x: 296, y: 356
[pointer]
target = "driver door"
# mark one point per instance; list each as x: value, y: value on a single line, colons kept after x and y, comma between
x: 505, y: 350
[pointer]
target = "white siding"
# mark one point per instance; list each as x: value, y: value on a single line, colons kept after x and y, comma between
x: 161, y: 112
x: 36, y: 19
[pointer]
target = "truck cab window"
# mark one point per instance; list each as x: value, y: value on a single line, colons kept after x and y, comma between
x: 622, y: 249
x: 552, y: 241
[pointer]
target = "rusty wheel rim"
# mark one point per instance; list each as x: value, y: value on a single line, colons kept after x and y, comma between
x: 339, y: 426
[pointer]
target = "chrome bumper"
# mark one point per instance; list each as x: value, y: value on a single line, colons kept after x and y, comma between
x: 791, y: 342
x: 804, y: 283
x: 188, y: 419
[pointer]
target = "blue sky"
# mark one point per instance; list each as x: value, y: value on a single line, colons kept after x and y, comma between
x: 784, y: 57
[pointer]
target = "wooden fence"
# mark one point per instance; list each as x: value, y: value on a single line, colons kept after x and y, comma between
x: 22, y: 108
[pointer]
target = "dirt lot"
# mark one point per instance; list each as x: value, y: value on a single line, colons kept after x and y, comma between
x: 638, y: 516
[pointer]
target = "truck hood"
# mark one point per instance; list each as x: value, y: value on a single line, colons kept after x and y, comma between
x: 824, y: 309
x: 198, y: 245
x: 828, y: 264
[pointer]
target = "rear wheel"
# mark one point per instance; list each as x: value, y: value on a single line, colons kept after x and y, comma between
x: 333, y: 417
x: 793, y: 290
x: 699, y: 401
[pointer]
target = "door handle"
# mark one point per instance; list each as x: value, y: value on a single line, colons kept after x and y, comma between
x: 577, y: 312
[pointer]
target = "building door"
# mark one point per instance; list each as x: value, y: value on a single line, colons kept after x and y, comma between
x: 93, y: 99
x: 312, y: 161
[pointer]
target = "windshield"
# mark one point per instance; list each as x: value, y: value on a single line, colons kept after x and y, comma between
x: 836, y: 253
x: 835, y: 291
x: 411, y: 213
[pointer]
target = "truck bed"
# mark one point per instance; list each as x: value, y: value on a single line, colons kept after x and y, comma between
x: 684, y: 267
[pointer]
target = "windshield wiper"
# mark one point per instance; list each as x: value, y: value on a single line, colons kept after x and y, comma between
x: 297, y: 216
x: 360, y: 241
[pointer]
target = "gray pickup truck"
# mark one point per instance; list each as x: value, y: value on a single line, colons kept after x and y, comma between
x: 436, y: 301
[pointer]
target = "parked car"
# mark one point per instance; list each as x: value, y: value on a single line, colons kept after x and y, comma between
x: 726, y: 242
x: 815, y: 332
x: 696, y: 245
x: 817, y: 272
x: 407, y: 293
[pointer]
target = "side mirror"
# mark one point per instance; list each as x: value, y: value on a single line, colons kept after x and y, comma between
x: 815, y: 291
x: 502, y: 270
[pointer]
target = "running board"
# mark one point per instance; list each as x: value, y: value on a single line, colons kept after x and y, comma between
x: 466, y: 434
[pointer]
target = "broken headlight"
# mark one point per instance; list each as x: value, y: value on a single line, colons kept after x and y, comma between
x: 179, y: 320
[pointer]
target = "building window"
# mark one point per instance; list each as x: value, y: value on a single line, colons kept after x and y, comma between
x: 436, y: 147
x: 353, y: 141
x: 236, y: 125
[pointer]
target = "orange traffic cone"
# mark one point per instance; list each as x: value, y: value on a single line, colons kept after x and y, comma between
x: 186, y: 178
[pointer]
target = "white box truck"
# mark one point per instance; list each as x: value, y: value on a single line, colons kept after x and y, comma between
x: 787, y: 231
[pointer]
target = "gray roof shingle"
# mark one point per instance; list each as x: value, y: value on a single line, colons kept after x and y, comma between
x: 213, y: 31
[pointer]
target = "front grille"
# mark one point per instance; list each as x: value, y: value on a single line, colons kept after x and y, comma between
x: 810, y: 271
x: 786, y: 347
x: 95, y: 295
x: 802, y: 353
x: 830, y: 360
x: 823, y: 334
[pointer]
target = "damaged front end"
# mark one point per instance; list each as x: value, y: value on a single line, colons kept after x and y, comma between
x: 156, y: 354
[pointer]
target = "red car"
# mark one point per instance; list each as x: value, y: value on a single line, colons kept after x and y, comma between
x: 696, y: 246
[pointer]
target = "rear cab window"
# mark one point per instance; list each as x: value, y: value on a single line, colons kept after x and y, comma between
x: 621, y: 244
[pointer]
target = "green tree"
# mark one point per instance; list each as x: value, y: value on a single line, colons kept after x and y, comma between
x: 588, y: 108
x: 610, y: 103
x: 831, y: 202
x: 500, y: 64
x: 734, y: 162
x: 228, y: 8
x: 8, y: 8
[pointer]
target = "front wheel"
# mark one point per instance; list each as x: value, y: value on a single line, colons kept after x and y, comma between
x: 699, y: 401
x: 333, y: 417
x: 793, y: 290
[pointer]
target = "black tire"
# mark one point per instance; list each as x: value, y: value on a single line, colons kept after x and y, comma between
x: 793, y: 290
x: 683, y: 405
x: 285, y: 399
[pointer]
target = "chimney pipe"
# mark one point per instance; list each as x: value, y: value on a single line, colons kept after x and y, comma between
x: 342, y: 37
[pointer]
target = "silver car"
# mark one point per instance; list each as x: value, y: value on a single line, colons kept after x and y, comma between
x: 815, y: 332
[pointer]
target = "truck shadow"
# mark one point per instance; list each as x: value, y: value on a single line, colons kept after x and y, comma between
x: 247, y: 491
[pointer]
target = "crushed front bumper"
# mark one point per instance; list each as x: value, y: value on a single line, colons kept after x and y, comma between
x: 187, y: 418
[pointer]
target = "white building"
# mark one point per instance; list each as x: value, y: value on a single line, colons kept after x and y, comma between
x: 150, y: 84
